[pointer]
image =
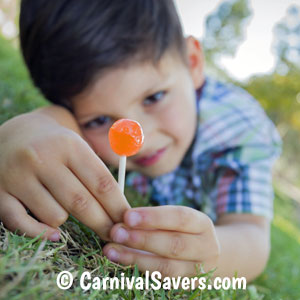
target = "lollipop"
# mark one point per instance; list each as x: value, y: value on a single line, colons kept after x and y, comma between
x: 126, y: 138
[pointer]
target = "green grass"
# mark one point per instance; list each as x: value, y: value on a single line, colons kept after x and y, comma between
x: 17, y: 94
x: 29, y: 267
x: 281, y: 279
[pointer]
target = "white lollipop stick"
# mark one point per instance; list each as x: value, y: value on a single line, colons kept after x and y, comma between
x: 122, y: 170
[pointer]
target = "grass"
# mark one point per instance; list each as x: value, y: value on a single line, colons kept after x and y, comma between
x: 17, y: 94
x: 281, y: 277
x: 29, y: 267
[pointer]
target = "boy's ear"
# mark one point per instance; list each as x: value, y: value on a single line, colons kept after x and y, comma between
x: 195, y: 60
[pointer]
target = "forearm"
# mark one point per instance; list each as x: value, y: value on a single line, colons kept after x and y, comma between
x: 244, y: 248
x: 61, y: 115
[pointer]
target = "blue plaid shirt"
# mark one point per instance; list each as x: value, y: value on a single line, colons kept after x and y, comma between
x: 227, y: 168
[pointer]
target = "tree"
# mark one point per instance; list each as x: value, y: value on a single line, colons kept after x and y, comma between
x: 279, y: 92
x: 224, y: 31
x: 287, y: 40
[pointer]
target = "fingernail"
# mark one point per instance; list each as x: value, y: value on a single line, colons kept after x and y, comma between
x: 134, y: 218
x: 121, y: 235
x: 113, y: 255
x: 55, y: 237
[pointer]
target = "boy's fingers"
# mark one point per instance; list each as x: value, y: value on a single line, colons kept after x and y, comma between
x: 166, y: 243
x: 149, y: 262
x: 168, y: 217
x: 14, y: 217
x: 93, y: 173
x: 76, y: 199
x: 40, y: 202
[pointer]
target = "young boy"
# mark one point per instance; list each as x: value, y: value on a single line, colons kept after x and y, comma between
x: 208, y: 148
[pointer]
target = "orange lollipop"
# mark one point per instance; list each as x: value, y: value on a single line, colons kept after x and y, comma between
x: 126, y: 138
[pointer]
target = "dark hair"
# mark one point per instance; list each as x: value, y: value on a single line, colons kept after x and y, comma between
x: 67, y: 43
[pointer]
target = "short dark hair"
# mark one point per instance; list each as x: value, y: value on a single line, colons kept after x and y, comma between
x: 66, y: 44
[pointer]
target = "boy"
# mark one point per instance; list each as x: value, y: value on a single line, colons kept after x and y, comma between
x: 207, y: 146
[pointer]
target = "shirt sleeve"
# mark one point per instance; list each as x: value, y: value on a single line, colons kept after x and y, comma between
x: 241, y: 145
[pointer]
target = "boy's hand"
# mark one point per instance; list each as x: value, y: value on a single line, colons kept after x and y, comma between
x: 53, y: 172
x: 176, y: 238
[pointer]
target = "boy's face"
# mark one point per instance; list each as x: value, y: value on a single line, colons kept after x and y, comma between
x: 161, y: 98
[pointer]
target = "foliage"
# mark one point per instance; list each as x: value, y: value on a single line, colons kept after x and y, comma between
x: 279, y: 91
x: 287, y: 39
x: 225, y: 31
x: 279, y: 95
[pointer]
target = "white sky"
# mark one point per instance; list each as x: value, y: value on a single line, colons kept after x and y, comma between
x: 254, y: 54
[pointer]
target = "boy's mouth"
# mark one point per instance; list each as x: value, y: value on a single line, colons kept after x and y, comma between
x: 151, y: 159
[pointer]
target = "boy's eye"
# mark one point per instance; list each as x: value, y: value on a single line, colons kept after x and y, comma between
x: 154, y: 98
x: 97, y: 122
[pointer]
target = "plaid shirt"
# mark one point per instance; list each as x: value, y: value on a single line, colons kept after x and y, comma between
x: 227, y: 168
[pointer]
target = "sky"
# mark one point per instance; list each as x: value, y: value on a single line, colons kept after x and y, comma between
x: 254, y: 55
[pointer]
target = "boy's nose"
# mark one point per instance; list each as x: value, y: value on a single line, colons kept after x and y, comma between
x: 148, y: 125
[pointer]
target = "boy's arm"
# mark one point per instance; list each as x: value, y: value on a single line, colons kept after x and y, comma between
x: 61, y: 115
x: 244, y: 241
